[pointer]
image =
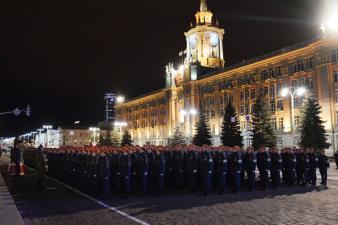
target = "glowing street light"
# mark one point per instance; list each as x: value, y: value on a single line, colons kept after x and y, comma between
x: 297, y: 92
x: 120, y: 99
x: 94, y: 130
x: 189, y: 113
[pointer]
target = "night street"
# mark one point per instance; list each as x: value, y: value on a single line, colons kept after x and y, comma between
x: 60, y: 205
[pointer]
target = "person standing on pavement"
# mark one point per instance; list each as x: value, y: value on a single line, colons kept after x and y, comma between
x: 276, y: 166
x: 250, y: 162
x: 323, y: 165
x: 41, y: 166
x: 263, y: 164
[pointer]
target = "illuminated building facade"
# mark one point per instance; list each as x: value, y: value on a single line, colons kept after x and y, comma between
x: 204, y: 81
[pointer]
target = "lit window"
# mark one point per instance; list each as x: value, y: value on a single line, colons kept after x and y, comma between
x: 280, y: 123
x: 297, y: 122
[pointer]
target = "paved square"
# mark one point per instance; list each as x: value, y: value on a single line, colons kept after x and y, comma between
x: 60, y: 205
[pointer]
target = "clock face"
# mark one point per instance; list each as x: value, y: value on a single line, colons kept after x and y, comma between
x: 193, y: 42
x: 214, y: 40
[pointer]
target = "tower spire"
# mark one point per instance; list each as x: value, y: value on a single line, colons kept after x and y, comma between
x: 203, y: 7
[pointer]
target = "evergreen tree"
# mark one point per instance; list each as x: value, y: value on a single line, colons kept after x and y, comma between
x: 101, y: 141
x: 312, y: 129
x: 202, y: 136
x: 178, y: 138
x: 231, y: 133
x: 115, y: 139
x: 263, y: 134
x: 126, y: 139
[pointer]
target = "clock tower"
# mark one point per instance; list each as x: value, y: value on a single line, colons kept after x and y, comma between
x: 205, y: 40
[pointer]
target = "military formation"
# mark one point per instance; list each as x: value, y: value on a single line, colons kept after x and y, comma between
x: 156, y: 169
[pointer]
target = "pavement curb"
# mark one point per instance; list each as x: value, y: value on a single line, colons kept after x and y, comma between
x: 9, y: 214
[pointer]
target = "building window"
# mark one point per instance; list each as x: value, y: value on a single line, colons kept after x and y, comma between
x: 279, y: 105
x: 273, y: 123
x: 242, y: 110
x: 335, y: 76
x: 247, y: 109
x: 253, y: 93
x: 334, y: 55
x: 242, y: 95
x: 272, y: 106
x: 266, y: 91
x: 280, y: 124
x: 231, y: 99
x: 247, y: 94
x: 272, y: 90
x: 297, y: 102
x: 297, y: 122
x: 294, y: 84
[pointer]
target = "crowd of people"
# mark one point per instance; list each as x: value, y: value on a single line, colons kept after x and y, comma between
x: 155, y: 169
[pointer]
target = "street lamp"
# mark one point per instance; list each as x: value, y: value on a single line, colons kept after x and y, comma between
x: 297, y: 92
x: 94, y: 130
x: 120, y: 124
x: 189, y: 113
x: 120, y: 99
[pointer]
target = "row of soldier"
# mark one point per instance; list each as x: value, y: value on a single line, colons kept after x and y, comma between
x: 147, y: 169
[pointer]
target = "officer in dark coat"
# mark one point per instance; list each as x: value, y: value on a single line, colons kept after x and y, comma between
x: 301, y: 165
x: 94, y: 173
x: 235, y: 167
x: 263, y: 164
x: 276, y: 166
x: 126, y: 173
x: 313, y: 165
x: 104, y: 173
x: 191, y: 166
x: 142, y: 168
x: 290, y: 167
x: 133, y: 158
x: 250, y: 162
x: 221, y: 169
x: 179, y: 168
x: 323, y: 165
x: 206, y: 170
x: 159, y: 171
x: 169, y: 177
x: 116, y: 171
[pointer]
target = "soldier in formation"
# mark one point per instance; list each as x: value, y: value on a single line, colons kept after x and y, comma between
x: 145, y: 169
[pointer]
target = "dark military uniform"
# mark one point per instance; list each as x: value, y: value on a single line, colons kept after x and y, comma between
x: 126, y: 174
x: 313, y: 164
x: 250, y: 162
x: 191, y: 166
x: 169, y: 177
x: 104, y: 173
x: 290, y: 168
x: 159, y: 171
x: 234, y: 168
x: 323, y: 164
x: 142, y: 168
x: 206, y: 170
x: 221, y: 169
x: 276, y: 166
x: 300, y: 167
x: 179, y: 169
x: 263, y: 164
x: 116, y: 172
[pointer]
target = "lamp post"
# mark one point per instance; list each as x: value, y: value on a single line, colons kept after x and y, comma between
x: 94, y: 130
x: 120, y: 124
x: 296, y: 92
x: 189, y: 113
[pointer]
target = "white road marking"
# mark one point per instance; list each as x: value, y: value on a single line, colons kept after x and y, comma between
x: 100, y: 203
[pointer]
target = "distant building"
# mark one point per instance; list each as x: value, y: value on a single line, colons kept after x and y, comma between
x: 73, y: 137
x: 203, y: 81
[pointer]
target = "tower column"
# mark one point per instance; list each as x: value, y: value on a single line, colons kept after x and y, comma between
x: 221, y: 46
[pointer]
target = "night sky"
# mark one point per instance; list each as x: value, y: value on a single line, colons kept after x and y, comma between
x: 62, y: 56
